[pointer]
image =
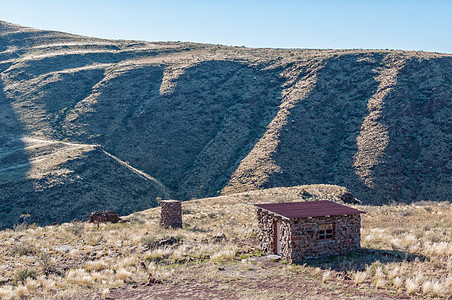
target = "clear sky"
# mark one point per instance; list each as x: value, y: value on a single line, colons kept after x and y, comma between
x: 383, y: 24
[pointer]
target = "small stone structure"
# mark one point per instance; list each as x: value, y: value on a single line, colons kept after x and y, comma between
x: 171, y: 214
x: 304, y: 230
x: 103, y: 217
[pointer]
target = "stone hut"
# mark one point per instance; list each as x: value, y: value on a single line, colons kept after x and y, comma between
x: 304, y: 230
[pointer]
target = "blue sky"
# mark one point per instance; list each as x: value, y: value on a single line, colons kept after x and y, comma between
x: 408, y: 25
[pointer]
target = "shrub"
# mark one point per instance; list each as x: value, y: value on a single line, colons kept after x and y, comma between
x: 22, y: 248
x: 94, y: 239
x: 24, y: 225
x: 21, y: 275
x: 46, y: 263
x: 149, y: 242
x: 76, y: 228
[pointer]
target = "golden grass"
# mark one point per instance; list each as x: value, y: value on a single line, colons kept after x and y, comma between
x: 326, y: 276
x: 359, y: 277
x: 81, y: 261
x: 420, y: 230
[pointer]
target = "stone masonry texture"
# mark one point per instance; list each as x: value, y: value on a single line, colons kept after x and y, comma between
x: 171, y: 214
x: 300, y: 237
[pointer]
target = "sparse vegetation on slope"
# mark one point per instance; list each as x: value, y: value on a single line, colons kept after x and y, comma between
x: 206, y: 120
x: 66, y: 181
x: 406, y: 251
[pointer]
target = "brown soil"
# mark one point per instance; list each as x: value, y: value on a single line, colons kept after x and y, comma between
x: 269, y: 280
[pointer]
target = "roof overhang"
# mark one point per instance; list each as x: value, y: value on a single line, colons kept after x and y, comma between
x: 308, y: 209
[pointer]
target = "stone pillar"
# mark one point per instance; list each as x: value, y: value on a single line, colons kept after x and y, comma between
x: 171, y: 214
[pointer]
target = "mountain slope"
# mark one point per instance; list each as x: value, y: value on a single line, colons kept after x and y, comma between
x: 56, y: 182
x: 208, y: 119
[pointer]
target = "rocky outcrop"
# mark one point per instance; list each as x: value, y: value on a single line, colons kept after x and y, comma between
x: 103, y: 217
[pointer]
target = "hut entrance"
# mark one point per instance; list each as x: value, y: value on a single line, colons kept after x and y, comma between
x: 277, y: 237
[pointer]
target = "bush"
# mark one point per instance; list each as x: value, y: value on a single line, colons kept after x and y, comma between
x: 21, y: 275
x: 22, y: 248
x: 149, y: 242
x: 46, y: 263
x: 76, y: 228
x: 22, y: 226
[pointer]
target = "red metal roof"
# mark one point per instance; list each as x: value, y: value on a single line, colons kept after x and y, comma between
x: 294, y: 210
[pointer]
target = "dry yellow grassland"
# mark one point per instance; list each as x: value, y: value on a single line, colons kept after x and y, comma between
x: 407, y: 250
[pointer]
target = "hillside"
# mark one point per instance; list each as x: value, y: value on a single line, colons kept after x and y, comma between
x: 56, y: 182
x: 206, y: 120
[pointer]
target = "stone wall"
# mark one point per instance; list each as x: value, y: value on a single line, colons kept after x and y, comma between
x: 300, y: 237
x: 171, y: 214
x: 305, y: 242
x: 267, y: 232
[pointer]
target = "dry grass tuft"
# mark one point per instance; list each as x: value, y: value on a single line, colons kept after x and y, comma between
x: 437, y: 288
x: 380, y: 283
x: 411, y: 286
x: 397, y: 282
x: 96, y: 265
x: 79, y: 277
x: 123, y: 274
x: 426, y: 287
x: 326, y: 276
x: 359, y: 277
x: 224, y: 255
x: 7, y: 292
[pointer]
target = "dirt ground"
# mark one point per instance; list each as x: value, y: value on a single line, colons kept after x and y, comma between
x: 266, y: 280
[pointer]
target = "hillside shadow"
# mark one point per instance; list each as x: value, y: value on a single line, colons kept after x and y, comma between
x: 14, y: 165
x: 322, y: 128
x: 233, y: 108
x: 416, y: 112
x: 50, y: 195
x: 105, y: 185
x: 192, y: 137
x: 60, y: 98
x: 358, y: 260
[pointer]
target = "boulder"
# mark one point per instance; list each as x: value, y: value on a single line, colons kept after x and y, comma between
x: 349, y: 198
x: 103, y: 217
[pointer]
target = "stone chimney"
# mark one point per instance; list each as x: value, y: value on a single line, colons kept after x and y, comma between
x: 171, y: 214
